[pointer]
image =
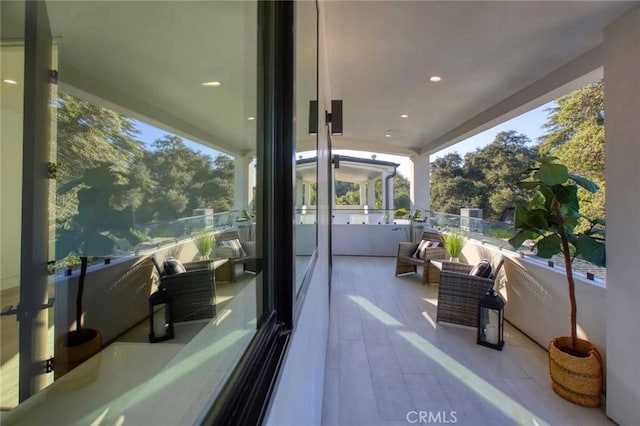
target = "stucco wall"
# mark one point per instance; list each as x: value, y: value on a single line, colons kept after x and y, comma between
x: 622, y: 104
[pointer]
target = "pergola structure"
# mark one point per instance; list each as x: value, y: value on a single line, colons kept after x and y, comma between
x: 363, y: 171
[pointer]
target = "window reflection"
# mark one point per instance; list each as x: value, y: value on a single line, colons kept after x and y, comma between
x: 306, y: 143
x: 151, y: 165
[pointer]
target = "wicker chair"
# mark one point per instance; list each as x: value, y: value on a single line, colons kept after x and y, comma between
x: 459, y: 293
x: 405, y: 263
x: 228, y: 273
x: 193, y: 293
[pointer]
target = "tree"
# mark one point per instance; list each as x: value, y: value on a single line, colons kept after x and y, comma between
x: 492, y: 169
x: 451, y: 190
x: 87, y: 136
x: 484, y: 178
x: 576, y: 138
x: 184, y: 180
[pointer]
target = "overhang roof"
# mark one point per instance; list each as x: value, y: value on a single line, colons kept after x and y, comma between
x: 497, y: 59
x: 348, y: 169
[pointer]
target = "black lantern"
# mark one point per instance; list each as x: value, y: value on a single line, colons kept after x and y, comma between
x: 491, y: 321
x: 160, y: 316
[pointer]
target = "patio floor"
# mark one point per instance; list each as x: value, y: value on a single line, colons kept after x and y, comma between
x: 389, y: 362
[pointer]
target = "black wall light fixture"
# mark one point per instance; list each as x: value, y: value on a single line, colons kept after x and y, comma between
x: 334, y: 117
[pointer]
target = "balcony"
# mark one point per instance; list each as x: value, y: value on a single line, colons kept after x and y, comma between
x: 389, y: 362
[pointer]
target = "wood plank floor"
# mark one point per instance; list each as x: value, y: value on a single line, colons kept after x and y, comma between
x: 389, y: 362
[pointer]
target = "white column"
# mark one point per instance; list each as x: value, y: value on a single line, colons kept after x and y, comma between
x: 333, y: 187
x: 622, y: 91
x: 363, y: 194
x: 251, y: 181
x: 307, y: 194
x: 390, y: 192
x: 420, y: 182
x: 241, y: 182
x: 384, y: 191
x: 298, y: 193
x: 371, y: 197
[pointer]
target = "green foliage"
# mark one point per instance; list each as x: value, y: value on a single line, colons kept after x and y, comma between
x: 401, y: 213
x: 576, y: 136
x: 453, y: 242
x: 102, y: 225
x: 553, y: 213
x: 450, y: 188
x: 89, y: 135
x: 483, y: 179
x: 204, y: 241
x: 402, y: 201
x: 551, y: 219
x: 184, y: 180
x: 349, y: 193
x: 501, y: 233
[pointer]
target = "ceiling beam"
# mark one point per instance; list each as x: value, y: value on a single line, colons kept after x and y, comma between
x: 340, y: 142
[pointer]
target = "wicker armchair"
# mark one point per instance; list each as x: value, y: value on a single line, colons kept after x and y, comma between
x: 405, y: 263
x: 193, y: 293
x: 248, y: 262
x: 459, y: 293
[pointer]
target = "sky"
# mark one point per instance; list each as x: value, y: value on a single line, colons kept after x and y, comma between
x: 529, y: 124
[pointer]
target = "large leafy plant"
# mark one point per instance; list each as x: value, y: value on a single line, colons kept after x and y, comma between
x: 102, y: 225
x: 552, y: 217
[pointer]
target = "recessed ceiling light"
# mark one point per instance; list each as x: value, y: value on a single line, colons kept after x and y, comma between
x: 435, y: 78
x: 404, y: 116
x: 251, y: 118
x: 9, y: 81
x: 211, y: 84
x: 388, y: 135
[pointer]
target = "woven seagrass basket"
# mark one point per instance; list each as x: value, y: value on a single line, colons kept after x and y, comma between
x: 576, y: 378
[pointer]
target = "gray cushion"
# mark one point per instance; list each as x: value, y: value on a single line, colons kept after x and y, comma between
x: 173, y: 266
x: 482, y: 269
x: 419, y: 252
x: 235, y: 245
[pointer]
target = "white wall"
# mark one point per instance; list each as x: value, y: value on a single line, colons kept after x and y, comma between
x: 368, y: 240
x: 112, y: 303
x: 537, y: 298
x: 622, y: 103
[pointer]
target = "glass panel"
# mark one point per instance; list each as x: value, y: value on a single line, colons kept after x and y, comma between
x: 156, y: 129
x: 12, y: 89
x: 306, y: 139
x: 26, y: 344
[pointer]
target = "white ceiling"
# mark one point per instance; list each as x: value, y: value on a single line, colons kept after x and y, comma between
x: 148, y: 59
x: 381, y: 55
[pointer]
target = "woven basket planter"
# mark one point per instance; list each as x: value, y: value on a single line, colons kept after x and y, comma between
x: 576, y: 378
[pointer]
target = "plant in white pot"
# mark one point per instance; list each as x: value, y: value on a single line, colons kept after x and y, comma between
x: 552, y: 220
x: 204, y: 241
x: 454, y: 242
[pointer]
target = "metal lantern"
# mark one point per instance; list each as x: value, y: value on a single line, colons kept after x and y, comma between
x: 160, y: 316
x: 491, y: 321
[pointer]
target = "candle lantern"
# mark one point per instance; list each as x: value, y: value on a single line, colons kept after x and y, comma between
x: 491, y: 321
x: 160, y: 316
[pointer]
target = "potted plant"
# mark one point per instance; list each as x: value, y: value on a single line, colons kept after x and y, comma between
x: 453, y: 242
x: 552, y: 220
x: 204, y: 241
x: 98, y: 228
